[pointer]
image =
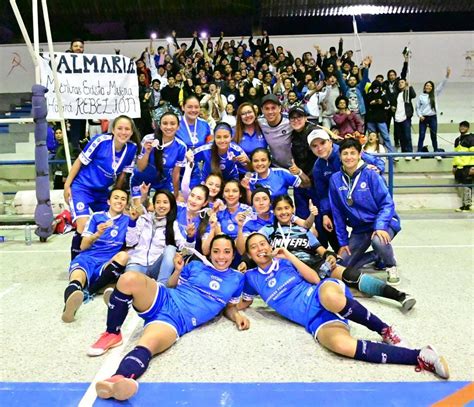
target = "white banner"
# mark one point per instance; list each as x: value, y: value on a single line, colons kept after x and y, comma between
x: 92, y: 86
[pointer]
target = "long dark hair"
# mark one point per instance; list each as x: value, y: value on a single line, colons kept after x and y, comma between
x: 170, y: 217
x: 215, y: 159
x: 158, y: 153
x: 205, y: 218
x: 222, y: 236
x: 135, y: 132
x: 240, y: 126
x: 276, y: 201
x: 431, y: 94
x: 242, y: 197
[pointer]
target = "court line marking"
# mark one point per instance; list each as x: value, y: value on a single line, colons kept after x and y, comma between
x: 111, y: 361
x: 9, y: 290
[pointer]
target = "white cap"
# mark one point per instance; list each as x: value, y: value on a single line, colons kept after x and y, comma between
x: 318, y: 133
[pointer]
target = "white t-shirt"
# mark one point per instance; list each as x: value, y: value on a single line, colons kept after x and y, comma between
x: 400, y: 114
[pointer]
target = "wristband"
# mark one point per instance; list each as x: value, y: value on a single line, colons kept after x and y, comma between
x: 328, y: 253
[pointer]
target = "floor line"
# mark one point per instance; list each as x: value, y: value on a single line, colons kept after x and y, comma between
x: 111, y: 361
x: 9, y: 290
x: 444, y: 246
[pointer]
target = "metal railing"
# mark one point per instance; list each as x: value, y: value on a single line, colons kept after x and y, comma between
x: 391, y: 167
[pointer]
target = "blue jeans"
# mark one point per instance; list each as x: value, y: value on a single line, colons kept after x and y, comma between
x: 382, y: 128
x: 432, y: 123
x: 161, y: 269
x: 403, y: 132
x: 360, y: 242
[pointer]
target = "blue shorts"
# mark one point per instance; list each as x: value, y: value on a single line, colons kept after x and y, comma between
x: 320, y: 315
x: 165, y: 310
x: 91, y: 263
x: 84, y: 201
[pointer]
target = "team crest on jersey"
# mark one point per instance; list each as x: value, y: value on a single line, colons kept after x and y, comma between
x: 164, y: 160
x: 363, y: 185
x: 114, y: 233
x: 222, y: 166
x: 214, y: 285
x: 231, y: 98
x: 230, y: 227
x: 80, y: 206
x: 271, y: 283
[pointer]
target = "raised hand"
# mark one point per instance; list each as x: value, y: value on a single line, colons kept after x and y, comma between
x: 312, y: 208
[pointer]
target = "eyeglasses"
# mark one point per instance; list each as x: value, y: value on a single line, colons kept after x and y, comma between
x: 294, y: 118
x: 243, y: 114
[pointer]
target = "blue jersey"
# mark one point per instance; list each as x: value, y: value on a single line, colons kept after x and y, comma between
x: 277, y: 182
x: 113, y: 238
x: 282, y: 288
x: 228, y: 165
x: 227, y: 220
x: 101, y: 164
x: 174, y: 155
x: 194, y: 136
x: 182, y: 219
x: 251, y: 142
x: 323, y: 170
x: 371, y: 207
x: 203, y: 292
x: 197, y: 134
x: 255, y: 223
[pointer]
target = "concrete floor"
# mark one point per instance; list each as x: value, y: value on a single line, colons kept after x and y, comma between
x: 436, y: 262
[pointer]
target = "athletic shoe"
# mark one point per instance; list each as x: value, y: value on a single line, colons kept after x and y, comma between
x: 463, y: 209
x: 117, y: 387
x: 396, y: 159
x: 408, y: 158
x: 106, y: 295
x: 73, y: 302
x: 106, y: 341
x: 439, y: 158
x: 417, y: 158
x: 390, y: 336
x: 393, y: 277
x: 408, y: 303
x: 428, y: 359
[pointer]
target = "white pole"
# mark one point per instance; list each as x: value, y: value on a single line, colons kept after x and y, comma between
x: 36, y: 39
x: 54, y: 66
x: 24, y: 32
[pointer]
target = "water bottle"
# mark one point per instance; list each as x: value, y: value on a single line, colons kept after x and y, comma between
x: 28, y: 240
x: 325, y: 270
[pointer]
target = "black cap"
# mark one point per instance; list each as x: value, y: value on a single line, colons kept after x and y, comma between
x: 271, y: 98
x: 299, y: 110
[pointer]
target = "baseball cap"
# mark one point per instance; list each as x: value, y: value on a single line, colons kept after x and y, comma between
x: 299, y: 110
x: 317, y: 133
x: 271, y: 98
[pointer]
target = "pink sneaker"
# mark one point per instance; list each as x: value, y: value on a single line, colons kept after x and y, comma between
x: 391, y: 336
x: 104, y: 343
x: 117, y: 387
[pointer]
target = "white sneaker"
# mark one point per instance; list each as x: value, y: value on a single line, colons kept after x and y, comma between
x: 408, y: 158
x: 439, y: 158
x: 390, y: 336
x: 396, y: 159
x: 429, y: 360
x: 393, y: 276
x: 408, y: 303
x: 417, y: 158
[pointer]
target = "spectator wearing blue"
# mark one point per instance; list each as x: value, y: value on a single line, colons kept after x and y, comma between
x: 359, y: 199
x: 355, y: 91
